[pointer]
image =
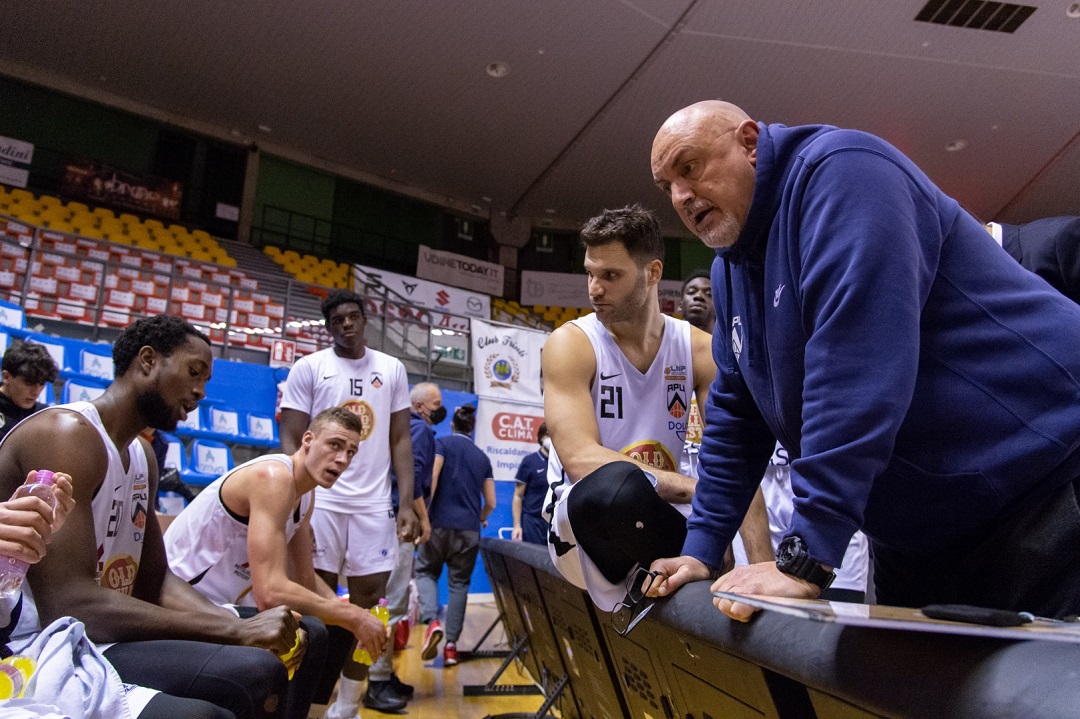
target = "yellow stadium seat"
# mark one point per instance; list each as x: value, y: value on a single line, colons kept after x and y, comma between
x: 272, y: 251
x: 78, y: 207
x: 154, y: 224
x: 93, y: 232
x: 50, y: 201
x: 20, y: 194
x: 104, y: 213
x: 129, y: 219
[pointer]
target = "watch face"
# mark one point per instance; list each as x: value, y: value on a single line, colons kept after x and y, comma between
x: 789, y: 550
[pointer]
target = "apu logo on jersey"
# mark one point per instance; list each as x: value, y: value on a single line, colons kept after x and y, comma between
x: 138, y: 516
x: 736, y: 337
x: 676, y: 405
x: 376, y: 380
x: 651, y: 453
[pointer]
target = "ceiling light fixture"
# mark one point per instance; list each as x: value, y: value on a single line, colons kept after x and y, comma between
x: 498, y: 69
x: 956, y: 145
x: 1073, y: 11
x: 265, y: 128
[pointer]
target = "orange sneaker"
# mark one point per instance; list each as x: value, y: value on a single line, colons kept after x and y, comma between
x: 432, y: 637
x: 449, y: 654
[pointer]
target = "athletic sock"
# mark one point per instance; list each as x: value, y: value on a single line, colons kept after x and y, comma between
x: 348, y: 699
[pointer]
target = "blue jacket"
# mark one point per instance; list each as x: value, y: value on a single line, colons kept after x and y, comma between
x: 921, y: 379
x: 423, y: 449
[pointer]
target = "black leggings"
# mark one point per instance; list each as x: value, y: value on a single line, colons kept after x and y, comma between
x: 249, y: 682
x: 166, y: 706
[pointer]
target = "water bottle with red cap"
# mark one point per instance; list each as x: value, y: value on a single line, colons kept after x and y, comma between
x: 13, y: 571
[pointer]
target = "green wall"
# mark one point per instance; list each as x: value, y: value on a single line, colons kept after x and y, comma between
x: 63, y: 128
x: 293, y: 187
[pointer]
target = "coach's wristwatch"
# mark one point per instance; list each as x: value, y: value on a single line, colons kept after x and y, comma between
x: 791, y: 558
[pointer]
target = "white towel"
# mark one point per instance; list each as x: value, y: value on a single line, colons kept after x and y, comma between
x: 72, y: 678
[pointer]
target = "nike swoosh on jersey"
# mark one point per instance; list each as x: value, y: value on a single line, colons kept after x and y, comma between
x: 609, y: 376
x: 328, y: 376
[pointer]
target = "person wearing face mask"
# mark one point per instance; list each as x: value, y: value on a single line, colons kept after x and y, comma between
x: 384, y: 687
x: 529, y: 523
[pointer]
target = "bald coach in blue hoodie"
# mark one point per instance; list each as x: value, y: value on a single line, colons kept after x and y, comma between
x: 926, y: 385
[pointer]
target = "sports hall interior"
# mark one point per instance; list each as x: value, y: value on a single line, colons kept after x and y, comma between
x: 294, y: 148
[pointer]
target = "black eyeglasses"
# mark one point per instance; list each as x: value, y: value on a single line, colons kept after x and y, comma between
x: 635, y: 605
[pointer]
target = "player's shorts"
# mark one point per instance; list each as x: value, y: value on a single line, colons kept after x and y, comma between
x: 355, y: 545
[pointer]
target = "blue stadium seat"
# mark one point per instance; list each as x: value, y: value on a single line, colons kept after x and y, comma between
x: 209, y: 460
x: 57, y: 348
x: 82, y: 390
x: 48, y: 395
x: 261, y: 430
x: 94, y: 360
x: 174, y: 455
x: 11, y: 315
x: 224, y: 422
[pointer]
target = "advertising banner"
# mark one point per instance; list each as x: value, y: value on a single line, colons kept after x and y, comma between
x: 459, y: 271
x: 15, y: 159
x: 104, y: 185
x: 670, y: 295
x: 562, y: 289
x: 506, y: 362
x: 430, y: 295
x: 506, y: 431
x: 554, y: 289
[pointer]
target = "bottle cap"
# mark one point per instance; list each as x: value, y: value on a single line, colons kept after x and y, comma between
x: 44, y: 476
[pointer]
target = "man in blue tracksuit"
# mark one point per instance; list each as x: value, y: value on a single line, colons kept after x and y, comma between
x: 926, y: 385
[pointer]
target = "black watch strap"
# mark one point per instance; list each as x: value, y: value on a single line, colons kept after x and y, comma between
x: 793, y: 559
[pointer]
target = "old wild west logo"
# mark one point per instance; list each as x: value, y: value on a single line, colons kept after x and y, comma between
x: 366, y: 414
x: 652, y: 453
x: 119, y: 574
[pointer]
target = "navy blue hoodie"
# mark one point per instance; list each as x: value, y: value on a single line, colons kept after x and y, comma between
x: 921, y: 379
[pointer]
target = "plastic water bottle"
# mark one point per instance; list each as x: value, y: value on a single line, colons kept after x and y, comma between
x: 13, y: 571
x: 291, y: 659
x: 382, y: 613
x: 15, y: 674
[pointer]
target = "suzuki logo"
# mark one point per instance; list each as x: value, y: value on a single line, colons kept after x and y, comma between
x: 442, y: 297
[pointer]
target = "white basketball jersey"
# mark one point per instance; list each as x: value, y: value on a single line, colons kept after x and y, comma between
x: 776, y: 489
x: 207, y: 544
x: 119, y: 508
x: 372, y: 387
x: 641, y: 415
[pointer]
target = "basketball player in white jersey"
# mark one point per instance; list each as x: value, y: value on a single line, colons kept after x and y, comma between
x: 356, y: 533
x: 107, y: 566
x: 617, y: 389
x: 246, y: 539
